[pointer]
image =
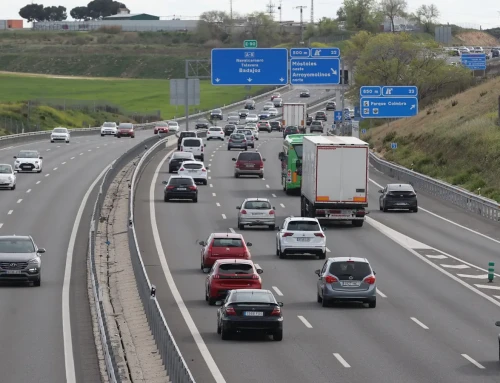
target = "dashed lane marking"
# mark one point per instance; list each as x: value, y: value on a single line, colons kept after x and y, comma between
x: 211, y: 185
x: 10, y: 212
x: 81, y: 154
x: 214, y: 195
x: 381, y: 293
x: 54, y: 169
x: 263, y: 179
x: 455, y: 266
x: 274, y: 195
x: 37, y: 182
x: 438, y: 256
x: 283, y: 206
x: 223, y: 216
x: 72, y: 158
x: 209, y: 177
x: 341, y: 360
x: 218, y: 204
x: 475, y: 363
x: 1, y: 224
x: 232, y: 230
x: 419, y: 323
x: 19, y: 200
x: 48, y: 150
x: 305, y: 321
x: 28, y: 191
x: 64, y: 163
x: 483, y: 276
x: 267, y: 186
x: 48, y: 174
x: 90, y: 150
x: 490, y: 287
x: 278, y: 291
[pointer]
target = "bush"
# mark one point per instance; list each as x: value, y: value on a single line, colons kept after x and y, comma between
x: 110, y: 30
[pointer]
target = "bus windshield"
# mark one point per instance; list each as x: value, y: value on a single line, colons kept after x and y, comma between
x: 298, y: 150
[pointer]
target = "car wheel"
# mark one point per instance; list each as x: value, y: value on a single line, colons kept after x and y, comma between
x: 13, y: 187
x: 225, y: 334
x: 51, y: 141
x: 211, y: 301
x: 278, y: 335
x: 118, y: 136
x: 218, y: 328
x: 282, y: 254
x: 38, y: 282
x: 380, y: 207
x: 102, y: 135
x: 415, y: 210
x: 202, y: 158
x: 241, y: 226
x: 39, y: 171
x: 236, y: 175
x: 246, y: 148
x: 67, y: 142
x: 272, y: 227
x: 165, y: 199
x: 318, y: 298
x: 384, y: 209
x: 372, y: 304
x: 322, y: 255
x: 261, y: 175
x: 324, y: 302
x: 205, y: 182
x: 195, y: 199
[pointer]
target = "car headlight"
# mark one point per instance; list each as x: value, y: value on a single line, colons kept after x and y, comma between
x: 11, y: 179
x: 34, y: 261
x: 36, y: 162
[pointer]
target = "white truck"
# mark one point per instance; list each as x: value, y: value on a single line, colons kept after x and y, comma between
x: 294, y: 115
x: 334, y: 183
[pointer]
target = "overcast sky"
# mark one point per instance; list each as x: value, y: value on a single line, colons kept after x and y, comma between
x: 461, y: 12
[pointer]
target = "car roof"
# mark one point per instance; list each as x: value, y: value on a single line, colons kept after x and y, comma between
x: 178, y: 177
x: 227, y: 235
x: 226, y: 261
x: 16, y: 237
x: 302, y: 219
x: 404, y: 187
x: 257, y: 199
x: 345, y: 259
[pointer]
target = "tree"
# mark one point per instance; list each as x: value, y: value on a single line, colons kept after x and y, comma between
x: 362, y: 15
x: 355, y: 46
x: 54, y: 13
x: 32, y: 12
x: 392, y: 9
x: 426, y: 16
x: 98, y: 9
x: 341, y: 16
x: 260, y: 26
x: 214, y: 25
x: 79, y: 13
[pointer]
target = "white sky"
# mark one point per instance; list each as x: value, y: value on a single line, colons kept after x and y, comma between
x: 459, y: 12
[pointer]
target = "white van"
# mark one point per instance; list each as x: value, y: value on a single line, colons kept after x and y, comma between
x: 194, y: 145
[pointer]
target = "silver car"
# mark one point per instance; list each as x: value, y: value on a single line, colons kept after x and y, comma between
x: 256, y: 212
x: 347, y: 279
x: 20, y: 259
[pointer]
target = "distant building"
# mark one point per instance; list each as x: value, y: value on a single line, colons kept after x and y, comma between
x: 11, y: 24
x: 124, y: 14
x: 401, y: 24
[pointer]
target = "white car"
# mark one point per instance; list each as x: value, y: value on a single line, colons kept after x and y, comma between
x: 7, y: 177
x: 28, y: 161
x: 273, y: 112
x: 195, y: 169
x: 215, y: 133
x: 252, y: 118
x: 300, y: 235
x: 173, y: 126
x: 268, y: 105
x: 109, y: 129
x: 254, y: 130
x: 60, y: 134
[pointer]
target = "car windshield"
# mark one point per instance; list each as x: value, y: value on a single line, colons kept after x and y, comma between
x: 227, y: 242
x: 108, y: 125
x: 215, y: 129
x: 173, y: 123
x: 126, y: 126
x: 191, y: 143
x: 249, y: 157
x: 398, y: 188
x: 192, y: 166
x: 303, y: 226
x: 60, y: 130
x: 235, y: 268
x: 230, y: 127
x: 257, y: 205
x: 15, y: 245
x: 216, y: 111
x: 180, y: 181
x: 252, y: 297
x: 5, y: 169
x: 26, y: 154
x: 298, y: 150
x: 358, y: 270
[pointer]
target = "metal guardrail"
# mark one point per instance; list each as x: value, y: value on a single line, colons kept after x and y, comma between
x: 464, y: 199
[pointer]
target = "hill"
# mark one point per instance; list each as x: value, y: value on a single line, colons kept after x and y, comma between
x: 456, y: 140
x: 476, y: 38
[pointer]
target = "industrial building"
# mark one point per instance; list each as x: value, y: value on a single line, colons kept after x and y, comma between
x: 124, y: 14
x: 11, y: 24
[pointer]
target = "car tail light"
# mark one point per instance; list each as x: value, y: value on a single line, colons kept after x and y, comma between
x: 192, y: 187
x: 261, y: 164
x: 330, y: 279
x: 170, y: 187
x: 230, y: 311
x: 276, y: 312
x: 243, y: 212
x: 271, y: 212
x: 238, y: 163
x: 202, y: 148
x: 370, y: 280
x: 181, y: 169
x: 319, y: 235
x: 255, y: 276
x: 245, y: 141
x: 216, y: 276
x: 203, y: 170
x: 287, y: 234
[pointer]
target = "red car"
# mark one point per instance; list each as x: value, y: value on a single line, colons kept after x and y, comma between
x: 275, y: 95
x: 231, y: 274
x: 223, y: 246
x: 125, y: 130
x: 161, y: 127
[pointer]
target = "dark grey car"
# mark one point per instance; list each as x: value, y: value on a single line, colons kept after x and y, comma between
x: 237, y: 141
x: 398, y: 196
x: 20, y: 259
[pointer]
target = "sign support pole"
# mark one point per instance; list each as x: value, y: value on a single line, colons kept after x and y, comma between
x: 342, y: 92
x: 186, y: 98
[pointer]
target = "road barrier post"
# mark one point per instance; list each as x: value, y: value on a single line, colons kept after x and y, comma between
x: 491, y: 271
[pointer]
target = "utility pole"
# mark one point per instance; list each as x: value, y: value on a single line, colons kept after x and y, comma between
x: 270, y: 9
x: 280, y: 9
x: 312, y: 11
x: 231, y: 11
x: 301, y: 7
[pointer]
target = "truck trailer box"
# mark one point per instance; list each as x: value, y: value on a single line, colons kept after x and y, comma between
x: 294, y: 114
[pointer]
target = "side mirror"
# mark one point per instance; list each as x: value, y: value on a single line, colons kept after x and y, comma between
x: 207, y: 167
x: 234, y: 159
x: 260, y: 271
x: 381, y: 191
x: 219, y: 303
x: 15, y: 156
x: 249, y: 244
x: 238, y: 207
x: 323, y: 228
x: 164, y: 182
x: 497, y: 323
x: 40, y: 157
x: 280, y: 304
x: 317, y: 272
x: 40, y: 251
x: 374, y: 273
x: 202, y: 243
x: 274, y: 208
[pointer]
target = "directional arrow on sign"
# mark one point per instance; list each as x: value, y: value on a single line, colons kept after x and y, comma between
x: 282, y: 79
x: 217, y: 79
x: 249, y: 79
x: 333, y: 71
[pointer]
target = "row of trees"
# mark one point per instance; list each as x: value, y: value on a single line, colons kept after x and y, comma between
x: 95, y: 10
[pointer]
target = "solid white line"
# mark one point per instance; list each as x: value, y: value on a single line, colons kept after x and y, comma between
x: 72, y: 158
x: 10, y: 212
x: 19, y: 200
x: 381, y: 293
x: 37, y: 182
x: 48, y: 174
x: 489, y: 287
x: 223, y: 216
x: 205, y: 352
x: 419, y: 323
x: 28, y: 191
x: 455, y: 266
x: 439, y: 256
x: 283, y: 206
x: 232, y: 230
x: 328, y: 250
x: 484, y: 276
x: 54, y: 169
x: 341, y: 360
x: 64, y: 163
x: 66, y: 319
x: 478, y: 365
x: 267, y: 186
x: 218, y: 204
x: 211, y: 185
x: 304, y: 320
x: 277, y: 291
x: 274, y: 195
x: 1, y: 224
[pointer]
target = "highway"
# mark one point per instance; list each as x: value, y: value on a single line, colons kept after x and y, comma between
x: 427, y: 326
x: 45, y: 206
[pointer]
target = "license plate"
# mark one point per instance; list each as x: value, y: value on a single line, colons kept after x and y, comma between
x: 253, y: 313
x: 257, y: 213
x: 192, y: 171
x: 181, y: 188
x: 303, y: 239
x: 401, y: 203
x: 338, y: 216
x: 250, y: 165
x: 350, y: 283
x: 13, y: 271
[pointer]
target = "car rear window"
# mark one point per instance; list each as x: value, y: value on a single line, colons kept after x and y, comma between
x: 215, y: 129
x: 303, y: 226
x: 193, y: 166
x: 275, y: 123
x: 188, y: 134
x: 238, y: 136
x: 257, y: 205
x: 16, y: 246
x: 235, y: 268
x: 249, y: 157
x: 180, y: 181
x: 191, y: 143
x: 356, y: 270
x: 252, y: 297
x: 227, y: 242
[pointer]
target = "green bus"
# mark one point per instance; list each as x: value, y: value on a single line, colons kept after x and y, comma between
x: 292, y: 151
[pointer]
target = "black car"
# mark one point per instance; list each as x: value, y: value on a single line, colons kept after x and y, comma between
x: 202, y: 123
x: 177, y: 159
x: 183, y: 135
x: 331, y: 105
x: 275, y: 125
x: 316, y: 126
x: 216, y: 114
x: 229, y: 129
x: 305, y: 93
x: 243, y: 113
x: 309, y: 120
x: 180, y: 187
x: 495, y: 53
x: 237, y: 141
x: 250, y: 105
x: 320, y: 116
x: 250, y: 310
x: 398, y: 196
x: 291, y: 130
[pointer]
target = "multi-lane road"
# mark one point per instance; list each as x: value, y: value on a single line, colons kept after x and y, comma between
x: 433, y: 322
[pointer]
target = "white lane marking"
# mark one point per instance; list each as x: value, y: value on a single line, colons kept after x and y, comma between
x: 455, y: 266
x: 208, y: 170
x: 1, y: 224
x: 58, y: 146
x: 81, y: 154
x: 224, y: 216
x: 214, y: 195
x: 105, y: 144
x: 97, y: 147
x: 283, y: 206
x: 37, y: 182
x: 72, y: 158
x: 209, y: 177
x: 210, y: 159
x: 478, y: 365
x: 274, y: 195
x: 48, y: 150
x: 232, y: 230
x: 195, y: 333
x: 405, y: 242
x: 90, y: 150
x: 328, y: 250
x: 10, y: 147
x: 54, y: 169
x: 10, y: 212
x: 439, y: 256
x: 490, y: 287
x: 448, y: 220
x: 64, y: 163
x: 28, y: 191
x: 218, y: 204
x: 419, y: 323
x: 484, y: 276
x: 341, y: 360
x: 263, y: 179
x: 277, y: 291
x: 381, y: 293
x: 267, y: 186
x: 48, y: 174
x: 304, y: 320
x: 211, y: 185
x: 212, y: 154
x: 20, y: 200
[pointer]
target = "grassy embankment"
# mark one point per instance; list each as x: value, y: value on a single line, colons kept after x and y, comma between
x: 456, y: 140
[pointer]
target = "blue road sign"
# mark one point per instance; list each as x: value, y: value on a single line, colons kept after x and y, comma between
x: 356, y: 111
x: 241, y: 66
x: 325, y: 52
x: 474, y: 61
x: 300, y: 52
x: 394, y: 145
x: 363, y: 131
x: 337, y: 115
x: 399, y: 91
x: 370, y: 91
x: 389, y: 107
x: 314, y: 71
